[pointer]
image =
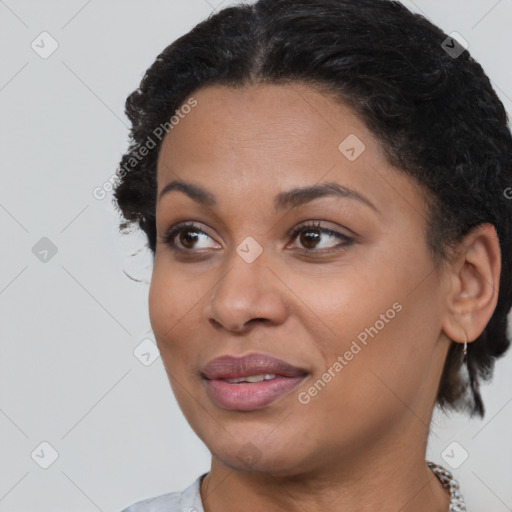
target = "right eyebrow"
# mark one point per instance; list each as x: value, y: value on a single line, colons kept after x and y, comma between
x: 198, y: 194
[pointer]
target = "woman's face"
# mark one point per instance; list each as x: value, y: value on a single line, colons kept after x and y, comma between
x: 308, y: 248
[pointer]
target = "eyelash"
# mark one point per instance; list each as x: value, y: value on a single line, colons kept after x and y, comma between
x: 316, y: 226
x: 169, y: 237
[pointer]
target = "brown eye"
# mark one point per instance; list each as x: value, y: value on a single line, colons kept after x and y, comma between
x: 188, y: 238
x: 309, y: 238
x: 316, y: 239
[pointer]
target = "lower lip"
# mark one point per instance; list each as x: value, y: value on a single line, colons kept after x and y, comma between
x: 249, y: 396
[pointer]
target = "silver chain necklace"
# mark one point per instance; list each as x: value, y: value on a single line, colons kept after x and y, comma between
x: 446, y: 478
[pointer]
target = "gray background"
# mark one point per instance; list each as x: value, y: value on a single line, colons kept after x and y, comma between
x: 71, y: 321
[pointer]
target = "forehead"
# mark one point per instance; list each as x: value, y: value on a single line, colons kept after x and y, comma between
x: 274, y: 137
x: 272, y: 115
x: 262, y: 123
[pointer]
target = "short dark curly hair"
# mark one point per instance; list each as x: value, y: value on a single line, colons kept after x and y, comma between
x: 434, y: 112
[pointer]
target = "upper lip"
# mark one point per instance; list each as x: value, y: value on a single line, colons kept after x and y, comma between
x: 231, y: 367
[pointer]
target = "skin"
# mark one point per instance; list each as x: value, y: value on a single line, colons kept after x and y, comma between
x: 360, y: 443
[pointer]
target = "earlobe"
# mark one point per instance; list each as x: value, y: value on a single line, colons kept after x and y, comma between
x: 474, y: 284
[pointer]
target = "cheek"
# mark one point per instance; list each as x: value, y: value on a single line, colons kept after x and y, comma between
x: 173, y: 296
x: 366, y: 283
x: 171, y: 302
x: 351, y: 304
x: 377, y: 382
x: 384, y: 320
x: 162, y: 311
x: 170, y: 316
x: 391, y: 373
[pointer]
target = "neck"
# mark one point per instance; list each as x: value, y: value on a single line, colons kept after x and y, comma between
x: 388, y: 477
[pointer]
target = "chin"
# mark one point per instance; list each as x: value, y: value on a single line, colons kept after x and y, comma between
x: 271, y: 455
x: 255, y: 461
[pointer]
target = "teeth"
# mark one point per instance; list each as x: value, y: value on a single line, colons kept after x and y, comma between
x: 252, y: 378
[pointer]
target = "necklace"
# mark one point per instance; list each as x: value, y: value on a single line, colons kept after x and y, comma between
x: 446, y: 478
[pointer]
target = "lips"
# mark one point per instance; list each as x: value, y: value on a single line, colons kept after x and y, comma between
x: 228, y: 367
x: 250, y: 382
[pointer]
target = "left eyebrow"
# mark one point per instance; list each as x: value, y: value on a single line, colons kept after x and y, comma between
x: 299, y: 196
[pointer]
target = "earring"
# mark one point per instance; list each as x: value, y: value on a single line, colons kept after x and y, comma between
x: 465, y: 349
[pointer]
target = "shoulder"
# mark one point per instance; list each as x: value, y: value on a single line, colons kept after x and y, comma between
x: 164, y: 503
x: 188, y: 500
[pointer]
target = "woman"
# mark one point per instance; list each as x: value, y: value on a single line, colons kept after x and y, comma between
x: 323, y: 186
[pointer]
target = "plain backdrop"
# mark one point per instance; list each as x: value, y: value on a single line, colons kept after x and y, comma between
x: 78, y: 394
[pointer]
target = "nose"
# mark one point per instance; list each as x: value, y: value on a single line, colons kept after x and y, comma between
x: 247, y: 294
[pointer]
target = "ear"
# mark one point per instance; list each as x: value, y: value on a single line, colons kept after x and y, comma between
x: 473, y: 284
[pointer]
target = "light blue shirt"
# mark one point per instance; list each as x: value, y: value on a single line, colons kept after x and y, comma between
x: 188, y: 500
